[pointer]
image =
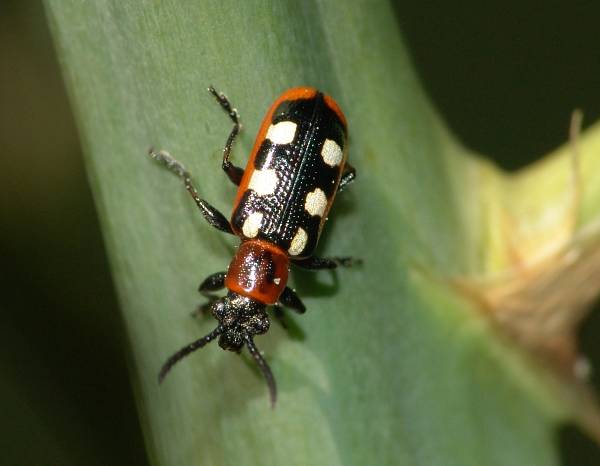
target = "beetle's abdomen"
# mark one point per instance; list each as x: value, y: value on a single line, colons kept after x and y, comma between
x: 293, y: 173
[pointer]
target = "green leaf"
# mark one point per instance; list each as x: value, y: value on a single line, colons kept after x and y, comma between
x: 390, y: 365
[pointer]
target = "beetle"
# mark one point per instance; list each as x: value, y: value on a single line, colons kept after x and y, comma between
x: 296, y: 167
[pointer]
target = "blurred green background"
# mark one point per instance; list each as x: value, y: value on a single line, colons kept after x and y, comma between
x: 505, y: 76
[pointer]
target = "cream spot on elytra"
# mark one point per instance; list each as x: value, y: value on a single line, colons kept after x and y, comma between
x: 282, y: 132
x: 298, y: 242
x: 252, y: 224
x: 331, y: 153
x: 263, y: 182
x: 316, y: 202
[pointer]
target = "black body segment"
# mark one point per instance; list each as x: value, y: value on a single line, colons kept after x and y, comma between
x: 290, y: 184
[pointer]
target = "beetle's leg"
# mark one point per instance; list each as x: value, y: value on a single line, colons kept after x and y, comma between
x: 347, y: 177
x: 322, y: 263
x: 279, y: 315
x: 211, y: 215
x: 234, y: 173
x: 290, y: 299
x: 213, y: 282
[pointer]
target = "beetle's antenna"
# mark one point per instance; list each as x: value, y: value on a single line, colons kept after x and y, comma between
x: 264, y: 368
x: 183, y: 352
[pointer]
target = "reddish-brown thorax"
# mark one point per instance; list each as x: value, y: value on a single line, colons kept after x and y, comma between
x: 259, y: 270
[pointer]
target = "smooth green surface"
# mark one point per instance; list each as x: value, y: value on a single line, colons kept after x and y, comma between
x: 393, y: 368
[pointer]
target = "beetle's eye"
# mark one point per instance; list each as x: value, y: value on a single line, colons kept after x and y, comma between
x: 259, y: 324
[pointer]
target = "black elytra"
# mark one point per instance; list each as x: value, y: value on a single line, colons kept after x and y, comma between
x: 300, y: 169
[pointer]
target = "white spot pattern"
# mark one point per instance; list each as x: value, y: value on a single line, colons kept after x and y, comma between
x: 282, y: 132
x: 298, y: 242
x: 331, y: 153
x: 263, y: 182
x: 252, y: 224
x: 316, y: 202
